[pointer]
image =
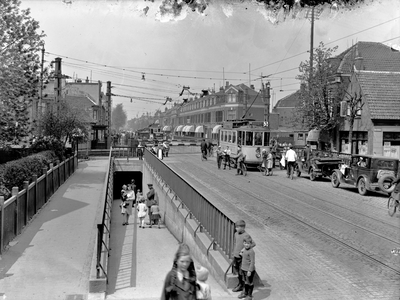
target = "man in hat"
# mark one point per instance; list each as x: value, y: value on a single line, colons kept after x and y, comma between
x: 150, y: 200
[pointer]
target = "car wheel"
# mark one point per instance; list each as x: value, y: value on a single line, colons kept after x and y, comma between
x: 362, y: 187
x: 312, y: 175
x: 392, y: 206
x: 385, y: 183
x: 335, y: 180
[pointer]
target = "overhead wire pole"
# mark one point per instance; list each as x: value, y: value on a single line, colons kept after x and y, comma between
x: 39, y: 113
x: 108, y: 115
x: 58, y: 84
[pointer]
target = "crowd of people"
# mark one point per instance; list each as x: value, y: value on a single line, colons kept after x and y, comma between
x: 132, y: 199
x: 185, y: 281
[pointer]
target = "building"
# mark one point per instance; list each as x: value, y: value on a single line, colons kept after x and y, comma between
x: 371, y: 72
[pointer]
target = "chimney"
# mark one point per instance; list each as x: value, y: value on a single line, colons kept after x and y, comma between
x: 221, y: 88
x: 226, y: 83
x: 87, y: 79
x: 252, y: 86
x: 358, y: 63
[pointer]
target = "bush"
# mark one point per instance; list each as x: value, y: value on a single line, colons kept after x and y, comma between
x: 43, y: 143
x: 14, y: 173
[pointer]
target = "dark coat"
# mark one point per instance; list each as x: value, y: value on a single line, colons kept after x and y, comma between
x: 178, y: 290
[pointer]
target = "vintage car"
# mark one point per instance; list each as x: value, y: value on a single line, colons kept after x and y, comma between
x: 317, y: 163
x: 367, y: 173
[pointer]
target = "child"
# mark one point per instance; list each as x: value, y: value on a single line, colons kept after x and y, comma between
x: 240, y: 235
x: 155, y: 214
x: 203, y: 288
x: 142, y: 209
x: 248, y: 269
x: 124, y: 205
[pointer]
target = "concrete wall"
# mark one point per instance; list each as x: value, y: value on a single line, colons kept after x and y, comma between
x: 187, y: 230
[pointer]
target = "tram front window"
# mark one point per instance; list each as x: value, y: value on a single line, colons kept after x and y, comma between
x: 257, y: 139
x: 233, y: 137
x: 249, y: 139
x: 266, y: 138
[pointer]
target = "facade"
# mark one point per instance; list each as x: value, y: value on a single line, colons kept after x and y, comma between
x: 372, y: 71
x: 203, y: 117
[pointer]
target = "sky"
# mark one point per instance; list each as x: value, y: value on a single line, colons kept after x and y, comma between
x: 124, y: 41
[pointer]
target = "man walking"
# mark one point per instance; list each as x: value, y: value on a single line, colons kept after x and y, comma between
x: 203, y: 147
x: 291, y: 158
x: 150, y: 200
x: 227, y: 153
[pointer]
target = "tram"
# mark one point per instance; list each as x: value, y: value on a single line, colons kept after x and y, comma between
x: 250, y: 134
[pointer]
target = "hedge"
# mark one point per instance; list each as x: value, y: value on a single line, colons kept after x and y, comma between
x: 15, y: 172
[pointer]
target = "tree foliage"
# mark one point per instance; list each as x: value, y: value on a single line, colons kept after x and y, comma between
x: 118, y: 117
x: 20, y: 44
x: 63, y: 125
x: 319, y: 97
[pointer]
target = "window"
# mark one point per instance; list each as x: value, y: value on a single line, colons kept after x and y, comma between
x: 233, y: 137
x: 231, y: 97
x: 229, y: 136
x: 266, y: 138
x: 300, y: 136
x: 249, y: 138
x: 218, y: 116
x: 257, y: 139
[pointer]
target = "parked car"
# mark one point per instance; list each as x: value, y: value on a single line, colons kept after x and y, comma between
x: 317, y: 163
x: 367, y: 173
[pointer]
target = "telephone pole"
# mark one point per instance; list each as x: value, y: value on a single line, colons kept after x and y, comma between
x: 39, y: 112
x: 57, y: 84
x: 108, y: 115
x: 266, y: 92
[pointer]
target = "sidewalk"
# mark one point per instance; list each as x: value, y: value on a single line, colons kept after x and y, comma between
x: 141, y: 258
x: 51, y: 259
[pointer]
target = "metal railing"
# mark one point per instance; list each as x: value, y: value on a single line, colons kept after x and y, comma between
x: 218, y: 226
x: 103, y: 225
x: 18, y: 210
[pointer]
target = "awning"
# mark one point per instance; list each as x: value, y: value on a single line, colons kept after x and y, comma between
x: 199, y: 129
x: 189, y: 128
x: 179, y: 128
x: 216, y: 128
x: 166, y: 128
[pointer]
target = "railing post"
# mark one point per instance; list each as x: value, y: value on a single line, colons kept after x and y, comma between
x: 1, y: 224
x: 34, y: 179
x: 51, y: 167
x: 45, y: 183
x: 14, y: 192
x: 26, y: 187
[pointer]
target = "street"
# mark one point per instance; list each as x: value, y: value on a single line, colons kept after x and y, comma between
x: 348, y: 236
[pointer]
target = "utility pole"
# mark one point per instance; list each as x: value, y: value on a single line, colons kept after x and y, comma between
x: 39, y: 112
x: 312, y: 42
x: 266, y: 92
x: 57, y: 84
x: 108, y: 115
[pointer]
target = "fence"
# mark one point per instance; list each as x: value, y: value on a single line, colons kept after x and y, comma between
x: 18, y: 210
x: 217, y: 225
x: 103, y: 226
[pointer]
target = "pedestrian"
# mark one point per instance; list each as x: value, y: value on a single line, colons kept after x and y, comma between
x: 203, y: 147
x: 203, y: 288
x: 239, y: 160
x: 155, y: 214
x: 264, y: 156
x: 291, y: 158
x: 227, y: 155
x: 140, y: 151
x: 139, y: 196
x: 240, y: 235
x: 131, y: 197
x: 248, y: 268
x: 149, y: 200
x: 124, y: 204
x: 180, y: 282
x: 270, y: 163
x: 220, y: 156
x: 142, y: 209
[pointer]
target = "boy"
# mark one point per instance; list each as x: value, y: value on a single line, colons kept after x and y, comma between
x: 240, y: 235
x: 203, y: 288
x: 248, y: 269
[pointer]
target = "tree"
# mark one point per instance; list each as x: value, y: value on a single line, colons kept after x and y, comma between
x: 19, y: 69
x: 118, y: 117
x: 63, y: 126
x: 319, y: 97
x: 353, y: 105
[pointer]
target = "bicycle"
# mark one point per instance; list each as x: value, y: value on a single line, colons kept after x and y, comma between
x: 393, y: 202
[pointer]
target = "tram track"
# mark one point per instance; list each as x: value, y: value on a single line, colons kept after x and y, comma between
x: 313, y: 226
